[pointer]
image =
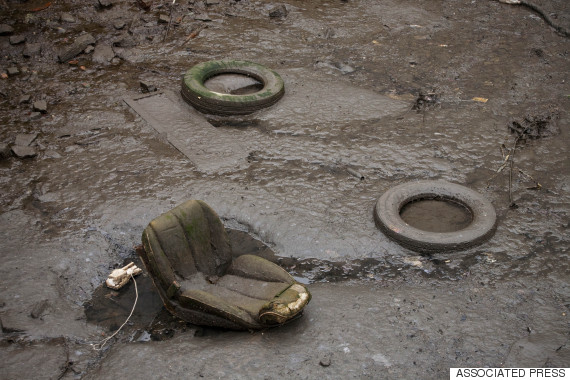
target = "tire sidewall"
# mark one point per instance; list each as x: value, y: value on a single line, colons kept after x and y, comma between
x: 388, y: 207
x: 198, y: 95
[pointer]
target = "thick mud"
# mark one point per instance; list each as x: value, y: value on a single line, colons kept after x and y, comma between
x: 474, y: 93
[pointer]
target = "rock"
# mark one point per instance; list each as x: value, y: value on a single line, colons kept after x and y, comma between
x: 105, y: 3
x: 125, y: 41
x: 5, y: 151
x: 278, y: 11
x: 24, y: 99
x: 345, y: 69
x: 325, y: 361
x: 16, y: 40
x: 202, y: 17
x: 147, y: 87
x: 103, y: 54
x: 23, y: 151
x: 6, y: 30
x: 40, y: 106
x: 67, y: 17
x: 35, y: 115
x: 212, y: 2
x: 119, y: 24
x: 89, y: 49
x: 32, y: 50
x: 163, y: 19
x: 39, y: 309
x: 76, y: 47
x: 25, y: 139
x: 50, y: 153
x: 12, y: 71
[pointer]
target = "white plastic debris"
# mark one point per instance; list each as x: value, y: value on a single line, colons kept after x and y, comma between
x: 120, y: 277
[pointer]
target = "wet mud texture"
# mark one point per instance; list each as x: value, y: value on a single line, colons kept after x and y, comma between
x: 447, y: 89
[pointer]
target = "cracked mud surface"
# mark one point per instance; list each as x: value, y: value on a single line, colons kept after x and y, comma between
x: 394, y: 90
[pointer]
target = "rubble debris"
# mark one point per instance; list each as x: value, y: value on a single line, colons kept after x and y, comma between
x: 105, y: 3
x: 6, y: 30
x: 163, y: 19
x: 278, y: 11
x: 147, y: 87
x: 119, y: 24
x: 12, y: 71
x: 40, y: 106
x: 103, y: 54
x: 23, y: 151
x: 18, y: 39
x: 67, y: 17
x: 77, y: 47
x: 212, y: 2
x: 202, y: 17
x: 24, y: 99
x: 39, y: 309
x: 4, y: 151
x: 25, y: 139
x: 35, y: 115
x: 32, y: 50
x: 89, y: 49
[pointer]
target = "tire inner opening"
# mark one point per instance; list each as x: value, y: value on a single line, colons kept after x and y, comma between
x: 436, y: 215
x: 233, y: 84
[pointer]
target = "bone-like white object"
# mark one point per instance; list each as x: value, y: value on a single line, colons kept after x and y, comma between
x: 512, y: 2
x: 120, y: 277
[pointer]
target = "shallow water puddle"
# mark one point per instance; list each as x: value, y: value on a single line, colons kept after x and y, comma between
x: 436, y: 215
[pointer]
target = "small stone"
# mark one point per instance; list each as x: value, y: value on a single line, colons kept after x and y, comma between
x: 16, y: 40
x: 147, y: 87
x: 103, y: 54
x: 39, y: 309
x: 23, y: 151
x: 40, y: 106
x: 105, y: 3
x: 24, y: 99
x: 325, y: 362
x: 119, y: 24
x: 25, y: 139
x: 32, y: 50
x: 50, y: 153
x: 212, y: 2
x: 67, y: 17
x: 89, y: 49
x: 202, y: 17
x: 79, y: 45
x: 5, y: 151
x: 163, y: 19
x: 115, y: 61
x: 6, y: 30
x: 278, y: 11
x: 345, y: 69
x: 12, y: 71
x: 35, y: 115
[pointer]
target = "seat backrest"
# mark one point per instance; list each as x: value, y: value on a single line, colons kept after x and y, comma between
x: 185, y: 240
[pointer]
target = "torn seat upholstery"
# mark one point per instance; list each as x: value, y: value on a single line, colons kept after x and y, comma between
x: 188, y: 255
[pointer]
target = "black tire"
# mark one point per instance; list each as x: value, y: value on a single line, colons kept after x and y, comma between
x: 389, y: 205
x: 204, y: 100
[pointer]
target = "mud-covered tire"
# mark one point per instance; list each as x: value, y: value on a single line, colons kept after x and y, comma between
x: 204, y: 100
x: 389, y: 205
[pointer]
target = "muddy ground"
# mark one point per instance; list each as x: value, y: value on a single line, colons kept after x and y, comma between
x: 395, y: 90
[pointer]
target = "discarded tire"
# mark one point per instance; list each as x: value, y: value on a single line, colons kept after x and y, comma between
x: 389, y: 205
x: 207, y: 101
